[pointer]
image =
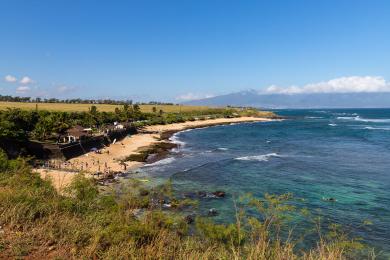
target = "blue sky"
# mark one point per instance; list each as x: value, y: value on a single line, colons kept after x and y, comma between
x: 175, y: 50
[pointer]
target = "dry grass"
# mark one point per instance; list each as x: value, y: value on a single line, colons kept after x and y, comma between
x: 38, y: 223
x: 101, y: 107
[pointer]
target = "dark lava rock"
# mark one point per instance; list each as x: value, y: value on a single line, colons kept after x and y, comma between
x: 202, y: 194
x: 162, y: 201
x: 190, y: 195
x: 189, y: 219
x: 212, y: 212
x: 219, y: 194
x: 329, y: 199
x: 144, y: 192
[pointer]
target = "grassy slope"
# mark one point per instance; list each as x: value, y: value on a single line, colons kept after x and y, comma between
x: 101, y: 107
x: 37, y: 222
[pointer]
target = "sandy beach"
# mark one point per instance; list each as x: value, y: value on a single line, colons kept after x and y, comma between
x: 111, y: 156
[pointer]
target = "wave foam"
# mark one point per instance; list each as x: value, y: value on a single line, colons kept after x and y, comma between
x: 222, y: 149
x: 358, y: 118
x: 161, y: 162
x: 332, y: 124
x: 175, y: 139
x: 261, y: 158
x: 377, y: 128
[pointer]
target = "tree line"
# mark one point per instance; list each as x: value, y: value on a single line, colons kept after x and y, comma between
x: 8, y: 98
x: 21, y: 125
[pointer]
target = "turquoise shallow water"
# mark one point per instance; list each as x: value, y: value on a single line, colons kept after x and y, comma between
x: 344, y: 154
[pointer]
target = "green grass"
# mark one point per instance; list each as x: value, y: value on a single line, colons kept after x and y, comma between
x: 101, y: 107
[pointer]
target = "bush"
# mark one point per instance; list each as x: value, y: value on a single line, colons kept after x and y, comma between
x: 83, y: 223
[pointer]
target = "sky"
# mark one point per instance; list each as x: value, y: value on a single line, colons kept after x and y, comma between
x: 178, y: 50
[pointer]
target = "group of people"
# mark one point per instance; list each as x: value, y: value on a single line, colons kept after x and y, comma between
x: 77, y: 166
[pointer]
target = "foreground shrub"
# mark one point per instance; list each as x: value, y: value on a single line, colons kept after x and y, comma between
x: 38, y: 222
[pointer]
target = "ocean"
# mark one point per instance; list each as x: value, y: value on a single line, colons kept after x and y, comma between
x: 314, y: 154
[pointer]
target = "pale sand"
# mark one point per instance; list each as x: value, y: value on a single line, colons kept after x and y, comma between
x: 111, y: 155
x: 59, y: 178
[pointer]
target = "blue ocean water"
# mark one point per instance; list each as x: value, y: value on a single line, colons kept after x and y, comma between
x: 315, y: 154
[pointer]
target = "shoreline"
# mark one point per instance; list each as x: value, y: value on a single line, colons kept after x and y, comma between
x: 144, y: 143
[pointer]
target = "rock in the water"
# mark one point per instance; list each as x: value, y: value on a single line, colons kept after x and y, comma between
x: 329, y: 199
x: 219, y: 194
x: 190, y: 195
x: 212, y: 212
x: 202, y: 194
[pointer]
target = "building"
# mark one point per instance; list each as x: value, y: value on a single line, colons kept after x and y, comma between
x: 75, y: 133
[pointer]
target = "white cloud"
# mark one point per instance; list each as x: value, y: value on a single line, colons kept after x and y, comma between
x: 26, y: 80
x: 23, y: 89
x: 10, y: 78
x: 192, y: 96
x: 65, y: 89
x: 338, y: 85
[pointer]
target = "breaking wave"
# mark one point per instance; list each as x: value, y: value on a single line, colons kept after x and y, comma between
x: 175, y: 139
x: 222, y: 149
x: 358, y: 118
x: 313, y: 117
x: 161, y: 162
x: 377, y: 128
x: 260, y: 158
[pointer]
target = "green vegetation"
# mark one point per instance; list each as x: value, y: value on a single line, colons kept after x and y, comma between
x: 38, y: 222
x: 21, y: 125
x: 43, y: 124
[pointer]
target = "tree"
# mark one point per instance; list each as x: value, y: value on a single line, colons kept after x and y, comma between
x: 93, y: 110
x: 43, y: 128
x: 9, y: 130
x: 136, y: 108
x: 128, y: 112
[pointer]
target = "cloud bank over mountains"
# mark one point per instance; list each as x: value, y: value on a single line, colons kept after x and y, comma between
x: 354, y: 84
x: 344, y: 92
x: 193, y: 96
x: 351, y: 91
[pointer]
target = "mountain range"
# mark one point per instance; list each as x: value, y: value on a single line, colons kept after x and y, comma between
x: 309, y: 100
